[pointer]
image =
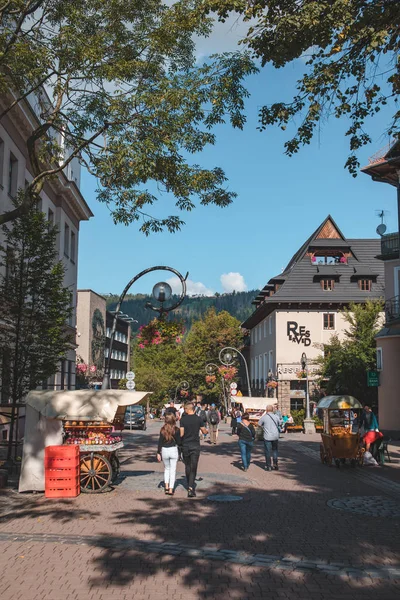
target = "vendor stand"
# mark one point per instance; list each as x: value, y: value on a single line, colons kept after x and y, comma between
x: 340, y: 440
x: 255, y: 407
x: 87, y: 418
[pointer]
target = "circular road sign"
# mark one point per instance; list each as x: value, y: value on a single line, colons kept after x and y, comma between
x: 233, y: 392
x: 233, y: 386
x: 130, y: 375
x: 130, y: 385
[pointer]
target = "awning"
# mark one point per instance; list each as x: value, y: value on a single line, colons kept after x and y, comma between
x: 340, y: 402
x: 253, y: 403
x: 85, y: 405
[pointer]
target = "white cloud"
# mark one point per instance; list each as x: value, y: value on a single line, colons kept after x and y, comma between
x: 233, y: 281
x: 194, y: 288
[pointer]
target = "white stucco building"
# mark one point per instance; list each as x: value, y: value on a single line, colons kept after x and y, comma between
x: 61, y: 202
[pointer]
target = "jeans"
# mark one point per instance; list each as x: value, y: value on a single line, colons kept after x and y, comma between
x: 191, y: 455
x: 245, y: 451
x: 170, y: 459
x: 213, y: 430
x: 271, y: 447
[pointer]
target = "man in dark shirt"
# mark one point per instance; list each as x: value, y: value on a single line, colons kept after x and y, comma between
x: 190, y: 427
x: 171, y: 410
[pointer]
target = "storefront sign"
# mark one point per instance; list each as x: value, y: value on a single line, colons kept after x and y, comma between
x: 298, y: 333
x: 372, y: 378
x: 297, y: 394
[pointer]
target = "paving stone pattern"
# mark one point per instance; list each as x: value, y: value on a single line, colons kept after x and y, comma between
x: 374, y: 506
x: 281, y: 541
x: 215, y: 554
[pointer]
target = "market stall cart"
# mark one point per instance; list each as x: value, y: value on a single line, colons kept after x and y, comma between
x: 88, y: 418
x: 340, y: 440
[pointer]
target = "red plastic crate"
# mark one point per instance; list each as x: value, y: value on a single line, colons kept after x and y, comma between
x: 61, y: 463
x: 56, y: 492
x: 61, y: 457
x: 65, y: 451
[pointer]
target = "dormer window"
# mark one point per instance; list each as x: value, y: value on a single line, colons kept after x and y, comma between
x: 328, y: 257
x: 365, y: 285
x: 327, y: 284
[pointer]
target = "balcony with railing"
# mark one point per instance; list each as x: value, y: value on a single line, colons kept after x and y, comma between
x: 392, y: 311
x: 389, y: 246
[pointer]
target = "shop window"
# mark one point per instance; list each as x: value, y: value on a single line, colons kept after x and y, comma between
x: 365, y: 285
x: 329, y: 321
x: 296, y: 403
x: 327, y: 285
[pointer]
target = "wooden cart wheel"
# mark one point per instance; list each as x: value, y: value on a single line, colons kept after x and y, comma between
x: 360, y: 457
x: 322, y: 454
x: 116, y: 467
x: 95, y: 473
x: 329, y: 457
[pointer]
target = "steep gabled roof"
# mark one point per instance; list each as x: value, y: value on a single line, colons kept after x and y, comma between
x: 328, y: 230
x: 300, y: 281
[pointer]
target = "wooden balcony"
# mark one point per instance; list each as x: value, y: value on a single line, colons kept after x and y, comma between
x: 392, y: 311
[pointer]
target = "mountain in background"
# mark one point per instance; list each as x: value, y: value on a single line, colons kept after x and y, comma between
x: 238, y: 304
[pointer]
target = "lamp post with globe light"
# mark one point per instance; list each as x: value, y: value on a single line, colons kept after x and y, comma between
x: 309, y: 424
x: 209, y: 370
x: 183, y: 385
x: 162, y: 292
x: 227, y: 356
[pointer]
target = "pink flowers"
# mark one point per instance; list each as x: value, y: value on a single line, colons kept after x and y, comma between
x: 81, y: 367
x: 141, y: 346
x: 92, y: 369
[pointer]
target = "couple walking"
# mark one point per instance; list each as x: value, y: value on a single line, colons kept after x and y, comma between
x: 185, y: 439
x: 271, y: 423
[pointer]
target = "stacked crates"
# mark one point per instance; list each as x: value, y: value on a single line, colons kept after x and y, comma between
x: 61, y: 468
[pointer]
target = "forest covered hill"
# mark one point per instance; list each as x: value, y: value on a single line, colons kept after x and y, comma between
x: 238, y: 304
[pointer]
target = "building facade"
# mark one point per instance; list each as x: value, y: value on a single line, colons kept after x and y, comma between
x: 94, y: 325
x: 299, y: 310
x: 61, y: 202
x: 385, y: 168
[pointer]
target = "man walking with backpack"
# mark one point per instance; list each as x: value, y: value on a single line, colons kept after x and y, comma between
x: 271, y: 424
x: 213, y: 419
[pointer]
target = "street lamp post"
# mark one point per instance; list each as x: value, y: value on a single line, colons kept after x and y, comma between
x: 161, y: 293
x: 183, y: 385
x: 227, y: 356
x: 309, y: 424
x: 209, y: 369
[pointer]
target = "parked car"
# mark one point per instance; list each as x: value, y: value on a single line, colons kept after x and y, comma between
x: 135, y: 417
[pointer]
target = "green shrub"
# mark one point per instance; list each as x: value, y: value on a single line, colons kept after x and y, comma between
x: 298, y: 416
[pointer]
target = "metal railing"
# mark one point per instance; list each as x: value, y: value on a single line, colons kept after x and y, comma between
x: 389, y: 244
x: 392, y: 309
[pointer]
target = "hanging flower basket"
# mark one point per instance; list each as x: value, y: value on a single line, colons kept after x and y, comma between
x: 228, y: 373
x: 210, y: 378
x: 272, y: 385
x: 184, y: 393
x: 301, y: 375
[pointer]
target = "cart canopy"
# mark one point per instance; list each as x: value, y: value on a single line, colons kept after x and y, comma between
x: 339, y: 402
x: 253, y: 403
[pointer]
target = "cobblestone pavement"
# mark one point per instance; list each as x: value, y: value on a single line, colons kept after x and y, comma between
x: 283, y: 539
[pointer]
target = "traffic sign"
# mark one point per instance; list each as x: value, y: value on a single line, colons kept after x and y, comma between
x: 233, y: 392
x: 372, y: 378
x: 233, y: 385
x: 130, y: 385
x: 130, y: 375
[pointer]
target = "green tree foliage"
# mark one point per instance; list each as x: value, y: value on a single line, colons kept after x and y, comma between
x: 35, y: 305
x: 161, y: 366
x: 159, y: 362
x: 345, y: 363
x: 192, y: 308
x: 352, y: 68
x: 203, y: 344
x: 125, y: 95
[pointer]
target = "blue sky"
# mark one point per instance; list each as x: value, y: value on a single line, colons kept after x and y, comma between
x: 280, y: 202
